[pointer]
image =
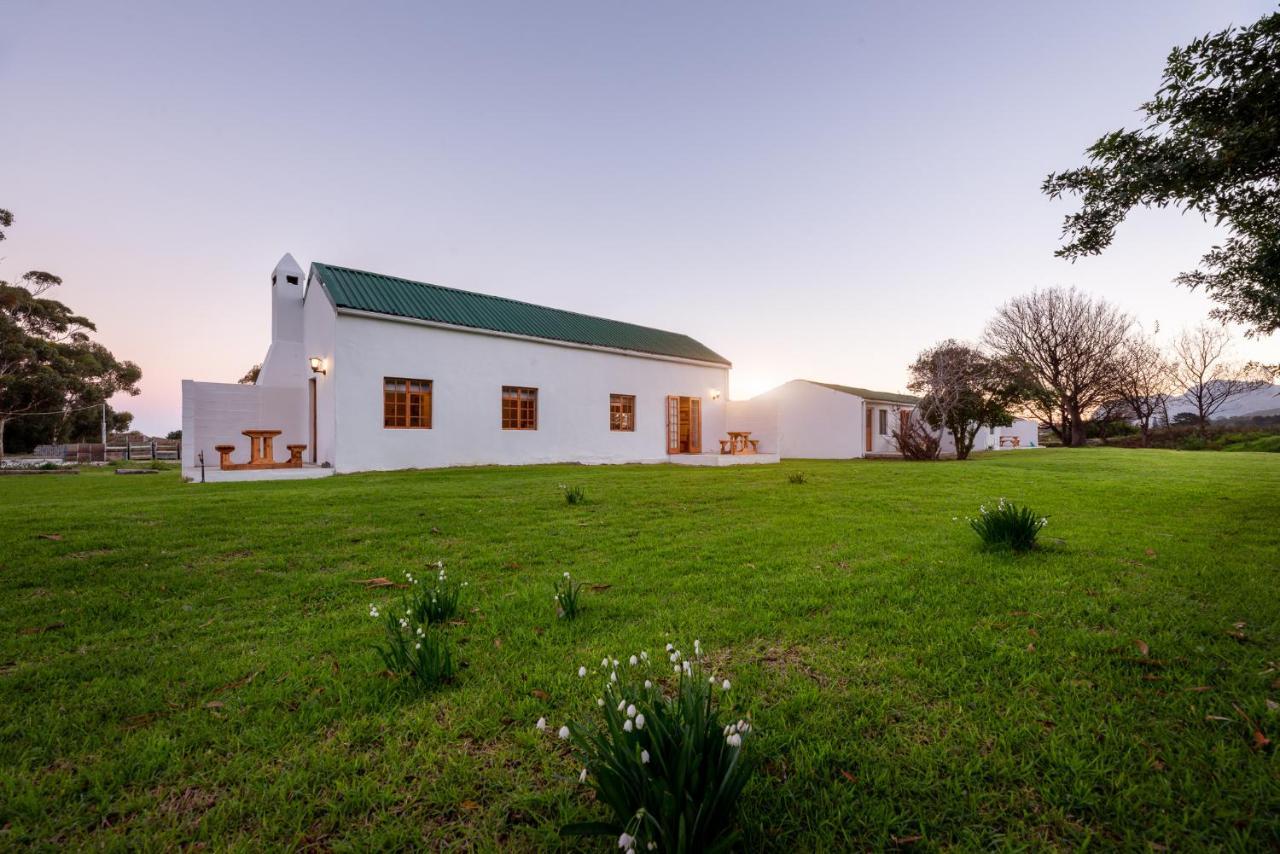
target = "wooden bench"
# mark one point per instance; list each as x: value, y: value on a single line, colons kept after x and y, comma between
x: 261, y: 453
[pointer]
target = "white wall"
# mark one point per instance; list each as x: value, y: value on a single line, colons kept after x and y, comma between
x: 468, y: 371
x: 884, y: 444
x: 813, y: 422
x: 216, y: 413
x: 319, y: 323
x: 758, y: 417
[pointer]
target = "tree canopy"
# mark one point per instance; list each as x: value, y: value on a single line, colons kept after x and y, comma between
x: 48, y: 362
x: 1211, y: 146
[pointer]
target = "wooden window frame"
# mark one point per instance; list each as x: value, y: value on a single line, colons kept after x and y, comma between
x: 397, y: 404
x: 884, y: 422
x: 521, y: 402
x: 623, y: 419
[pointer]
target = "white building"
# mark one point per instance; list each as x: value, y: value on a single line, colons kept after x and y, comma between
x: 812, y: 420
x: 376, y: 372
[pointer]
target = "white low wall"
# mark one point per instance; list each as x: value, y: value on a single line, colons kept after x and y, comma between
x: 758, y: 417
x: 216, y: 413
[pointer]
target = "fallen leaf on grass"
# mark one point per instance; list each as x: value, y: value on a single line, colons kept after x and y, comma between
x: 497, y: 642
x: 1019, y: 613
x: 852, y: 778
x: 54, y: 537
x: 1149, y: 552
x: 1200, y: 689
x: 1031, y: 647
x: 470, y: 805
x: 1151, y: 677
x: 599, y: 587
x: 1033, y: 632
x: 238, y: 683
x: 1259, y: 740
x: 213, y: 704
x: 1215, y: 718
x: 906, y: 840
x: 1142, y: 647
x: 377, y: 582
x: 39, y: 630
x: 540, y: 694
x: 1238, y: 635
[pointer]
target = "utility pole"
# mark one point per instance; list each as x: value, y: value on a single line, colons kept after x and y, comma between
x: 104, y: 430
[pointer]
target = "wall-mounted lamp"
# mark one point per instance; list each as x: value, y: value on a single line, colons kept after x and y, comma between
x: 715, y: 394
x: 317, y: 365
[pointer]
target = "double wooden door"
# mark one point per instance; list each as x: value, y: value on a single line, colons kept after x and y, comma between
x: 684, y: 425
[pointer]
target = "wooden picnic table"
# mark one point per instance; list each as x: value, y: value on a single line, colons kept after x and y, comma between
x: 261, y: 452
x: 739, y: 442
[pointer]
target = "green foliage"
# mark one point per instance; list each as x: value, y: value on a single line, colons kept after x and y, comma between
x: 665, y: 759
x: 414, y: 651
x: 436, y: 601
x: 962, y: 390
x: 1008, y: 526
x: 797, y: 477
x: 48, y: 362
x: 566, y: 598
x: 1268, y: 444
x: 574, y: 494
x: 1210, y: 145
x: 1194, y: 442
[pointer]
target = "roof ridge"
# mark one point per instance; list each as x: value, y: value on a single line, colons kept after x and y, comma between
x: 501, y: 298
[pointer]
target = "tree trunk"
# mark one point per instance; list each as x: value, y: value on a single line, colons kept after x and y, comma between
x: 3, y: 421
x: 1079, y: 434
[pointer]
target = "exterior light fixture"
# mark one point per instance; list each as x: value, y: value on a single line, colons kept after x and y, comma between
x: 715, y: 394
x: 317, y: 365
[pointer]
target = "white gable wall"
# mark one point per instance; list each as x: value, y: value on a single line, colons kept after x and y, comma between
x: 468, y: 370
x: 813, y: 422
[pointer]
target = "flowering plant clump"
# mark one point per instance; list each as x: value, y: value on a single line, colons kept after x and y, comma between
x: 574, y: 494
x: 566, y: 597
x: 1008, y: 526
x: 664, y: 755
x: 436, y: 601
x: 797, y: 477
x: 415, y: 650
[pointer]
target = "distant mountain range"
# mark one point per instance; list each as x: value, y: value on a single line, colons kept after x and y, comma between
x: 1260, y: 401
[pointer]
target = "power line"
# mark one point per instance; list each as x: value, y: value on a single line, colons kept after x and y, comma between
x: 53, y: 411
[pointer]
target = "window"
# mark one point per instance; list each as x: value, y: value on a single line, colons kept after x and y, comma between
x: 884, y: 422
x: 406, y: 403
x: 519, y: 408
x: 622, y: 413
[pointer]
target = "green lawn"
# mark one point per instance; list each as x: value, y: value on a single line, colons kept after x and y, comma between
x: 187, y: 663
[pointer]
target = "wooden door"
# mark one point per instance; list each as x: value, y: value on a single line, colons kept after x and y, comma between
x: 311, y: 407
x: 695, y: 425
x: 673, y: 424
x: 870, y: 415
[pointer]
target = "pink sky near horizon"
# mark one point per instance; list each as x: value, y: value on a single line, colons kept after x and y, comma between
x: 817, y: 192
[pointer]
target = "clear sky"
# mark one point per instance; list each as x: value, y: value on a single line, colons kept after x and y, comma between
x: 815, y: 190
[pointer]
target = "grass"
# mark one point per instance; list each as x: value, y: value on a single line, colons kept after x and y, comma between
x: 196, y: 663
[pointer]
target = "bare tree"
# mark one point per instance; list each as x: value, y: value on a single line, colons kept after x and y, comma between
x: 1143, y: 380
x: 963, y: 390
x: 1200, y: 366
x: 1064, y: 343
x: 913, y: 437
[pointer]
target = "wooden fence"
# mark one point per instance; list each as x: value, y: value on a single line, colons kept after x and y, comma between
x: 96, y: 452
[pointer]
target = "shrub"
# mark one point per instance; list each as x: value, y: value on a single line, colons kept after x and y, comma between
x: 414, y: 651
x: 1008, y: 526
x: 1193, y: 443
x: 436, y: 602
x: 566, y: 597
x: 666, y: 760
x: 574, y: 494
x: 797, y: 477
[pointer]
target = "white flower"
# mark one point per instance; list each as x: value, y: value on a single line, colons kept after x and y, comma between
x: 688, y: 668
x: 725, y: 686
x: 734, y: 740
x: 564, y: 732
x: 644, y: 656
x: 652, y: 846
x: 625, y: 840
x: 615, y: 662
x: 582, y: 778
x: 627, y: 725
x: 639, y: 721
x: 676, y: 668
x: 670, y: 647
x: 697, y: 645
x: 675, y: 656
x: 541, y: 724
x: 622, y: 704
x: 600, y: 702
x: 634, y: 661
x: 582, y: 671
x: 417, y: 646
x: 613, y: 676
x: 604, y: 662
x: 648, y: 684
x: 566, y: 575
x: 711, y: 680
x: 644, y: 757
x: 631, y: 711
x: 373, y: 610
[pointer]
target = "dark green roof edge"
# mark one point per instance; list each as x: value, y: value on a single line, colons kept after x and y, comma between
x: 867, y: 393
x: 361, y: 290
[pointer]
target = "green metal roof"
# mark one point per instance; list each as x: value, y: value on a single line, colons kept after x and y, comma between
x: 374, y: 292
x: 869, y: 394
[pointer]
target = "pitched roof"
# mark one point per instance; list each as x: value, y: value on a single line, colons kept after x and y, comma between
x: 374, y: 292
x: 868, y: 394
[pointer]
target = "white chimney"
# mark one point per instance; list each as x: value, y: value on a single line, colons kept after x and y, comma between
x: 286, y: 300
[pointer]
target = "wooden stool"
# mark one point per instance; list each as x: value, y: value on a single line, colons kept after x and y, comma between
x: 224, y: 456
x: 295, y: 455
